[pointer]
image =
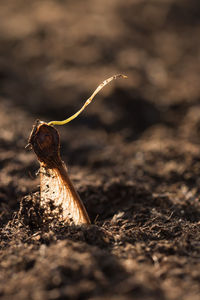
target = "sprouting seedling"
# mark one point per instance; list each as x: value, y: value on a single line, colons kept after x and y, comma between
x: 57, y: 192
x: 88, y: 101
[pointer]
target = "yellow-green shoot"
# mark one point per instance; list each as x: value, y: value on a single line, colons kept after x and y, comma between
x: 88, y: 101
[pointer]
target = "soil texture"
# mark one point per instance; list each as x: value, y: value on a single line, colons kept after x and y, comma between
x: 133, y: 155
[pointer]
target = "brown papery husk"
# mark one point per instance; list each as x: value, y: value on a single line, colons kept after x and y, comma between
x: 57, y: 192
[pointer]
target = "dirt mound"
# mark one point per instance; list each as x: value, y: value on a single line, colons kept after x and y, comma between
x: 134, y: 155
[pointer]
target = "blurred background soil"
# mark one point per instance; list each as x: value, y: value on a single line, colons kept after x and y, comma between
x: 133, y: 155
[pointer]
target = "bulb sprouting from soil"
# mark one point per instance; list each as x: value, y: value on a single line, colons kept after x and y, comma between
x: 57, y: 193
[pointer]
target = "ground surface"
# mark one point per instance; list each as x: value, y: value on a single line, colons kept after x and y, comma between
x: 134, y: 155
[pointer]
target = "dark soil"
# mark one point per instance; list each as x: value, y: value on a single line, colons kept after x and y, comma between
x: 133, y: 155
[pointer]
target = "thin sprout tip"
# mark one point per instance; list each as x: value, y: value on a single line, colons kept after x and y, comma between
x: 88, y: 101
